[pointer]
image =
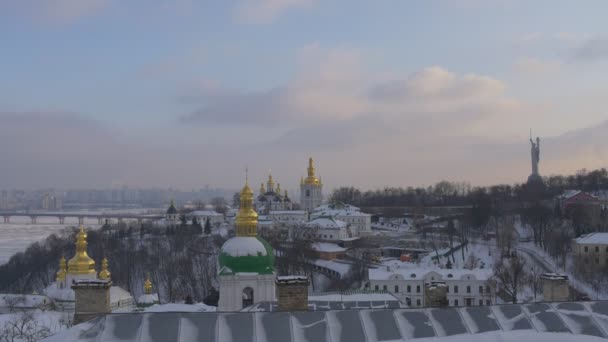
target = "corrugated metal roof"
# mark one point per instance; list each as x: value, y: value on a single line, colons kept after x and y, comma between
x: 578, y: 318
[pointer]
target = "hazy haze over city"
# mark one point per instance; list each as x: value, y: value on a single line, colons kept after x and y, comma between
x: 187, y: 93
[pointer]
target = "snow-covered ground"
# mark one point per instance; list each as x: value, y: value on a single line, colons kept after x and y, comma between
x: 40, y: 320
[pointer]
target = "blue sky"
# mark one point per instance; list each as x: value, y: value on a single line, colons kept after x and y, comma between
x: 139, y: 90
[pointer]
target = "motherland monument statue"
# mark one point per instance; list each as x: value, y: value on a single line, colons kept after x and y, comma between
x: 535, y: 156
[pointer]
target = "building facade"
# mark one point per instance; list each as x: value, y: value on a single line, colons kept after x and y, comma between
x: 591, y: 252
x: 359, y: 223
x: 461, y: 287
x: 270, y: 198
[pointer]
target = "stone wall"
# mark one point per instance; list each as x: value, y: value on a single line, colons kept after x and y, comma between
x: 92, y: 300
x: 292, y: 293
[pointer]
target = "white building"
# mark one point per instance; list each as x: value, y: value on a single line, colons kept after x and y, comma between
x: 360, y: 223
x: 326, y: 228
x: 202, y: 216
x: 288, y: 216
x: 311, y: 189
x: 464, y: 287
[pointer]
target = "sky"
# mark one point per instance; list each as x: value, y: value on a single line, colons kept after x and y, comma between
x: 188, y: 93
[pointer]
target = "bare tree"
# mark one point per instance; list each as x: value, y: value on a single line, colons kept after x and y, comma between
x: 510, y: 274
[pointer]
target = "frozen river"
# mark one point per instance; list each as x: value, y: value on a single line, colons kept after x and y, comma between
x: 20, y: 233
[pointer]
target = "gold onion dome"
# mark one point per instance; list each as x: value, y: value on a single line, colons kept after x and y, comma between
x: 62, y: 269
x: 278, y: 189
x: 247, y: 218
x: 148, y: 285
x: 311, y: 179
x: 246, y: 252
x: 81, y: 263
x: 104, y: 273
x: 270, y: 184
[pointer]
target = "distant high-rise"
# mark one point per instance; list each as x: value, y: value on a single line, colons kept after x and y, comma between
x: 311, y: 189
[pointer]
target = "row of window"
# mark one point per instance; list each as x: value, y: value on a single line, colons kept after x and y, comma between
x: 597, y: 249
x: 597, y: 261
x: 455, y: 289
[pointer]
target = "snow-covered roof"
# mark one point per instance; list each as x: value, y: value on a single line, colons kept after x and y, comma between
x: 200, y: 213
x: 174, y: 307
x: 337, y: 210
x: 118, y: 293
x: 593, y: 239
x: 287, y: 212
x: 539, y: 322
x: 386, y: 273
x: 243, y: 246
x: 148, y: 299
x: 326, y: 223
x: 327, y: 247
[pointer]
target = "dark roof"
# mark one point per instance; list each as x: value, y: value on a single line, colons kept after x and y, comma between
x: 577, y: 318
x: 172, y: 209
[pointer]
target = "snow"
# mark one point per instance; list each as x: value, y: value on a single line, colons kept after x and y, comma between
x: 148, y: 298
x: 243, y: 246
x: 59, y: 294
x: 593, y: 238
x: 26, y: 301
x: 352, y: 297
x: 514, y: 336
x: 326, y: 223
x: 327, y: 247
x: 204, y: 213
x: 53, y: 320
x: 15, y: 237
x: 339, y: 267
x: 173, y: 307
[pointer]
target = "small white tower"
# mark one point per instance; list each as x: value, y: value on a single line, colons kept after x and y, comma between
x: 311, y: 189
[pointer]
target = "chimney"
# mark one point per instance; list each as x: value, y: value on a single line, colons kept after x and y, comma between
x: 292, y: 293
x: 92, y: 299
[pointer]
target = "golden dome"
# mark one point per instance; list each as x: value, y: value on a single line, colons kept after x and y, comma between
x: 278, y: 189
x: 247, y: 218
x: 270, y: 184
x: 62, y: 269
x: 148, y: 285
x: 311, y: 179
x: 81, y: 263
x: 104, y: 273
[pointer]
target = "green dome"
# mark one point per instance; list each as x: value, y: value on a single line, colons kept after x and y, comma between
x: 247, y: 254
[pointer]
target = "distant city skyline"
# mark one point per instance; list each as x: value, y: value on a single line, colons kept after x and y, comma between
x: 106, y: 93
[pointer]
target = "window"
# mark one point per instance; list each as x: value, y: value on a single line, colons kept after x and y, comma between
x: 396, y: 288
x: 417, y: 288
x: 455, y: 289
x: 468, y: 289
x: 480, y: 302
x: 455, y: 302
x: 450, y: 275
x: 607, y: 249
x: 597, y: 249
x: 376, y: 287
x: 418, y: 302
x: 488, y: 289
x: 488, y: 302
x: 481, y: 289
x: 586, y: 249
x: 307, y: 193
x: 409, y: 288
